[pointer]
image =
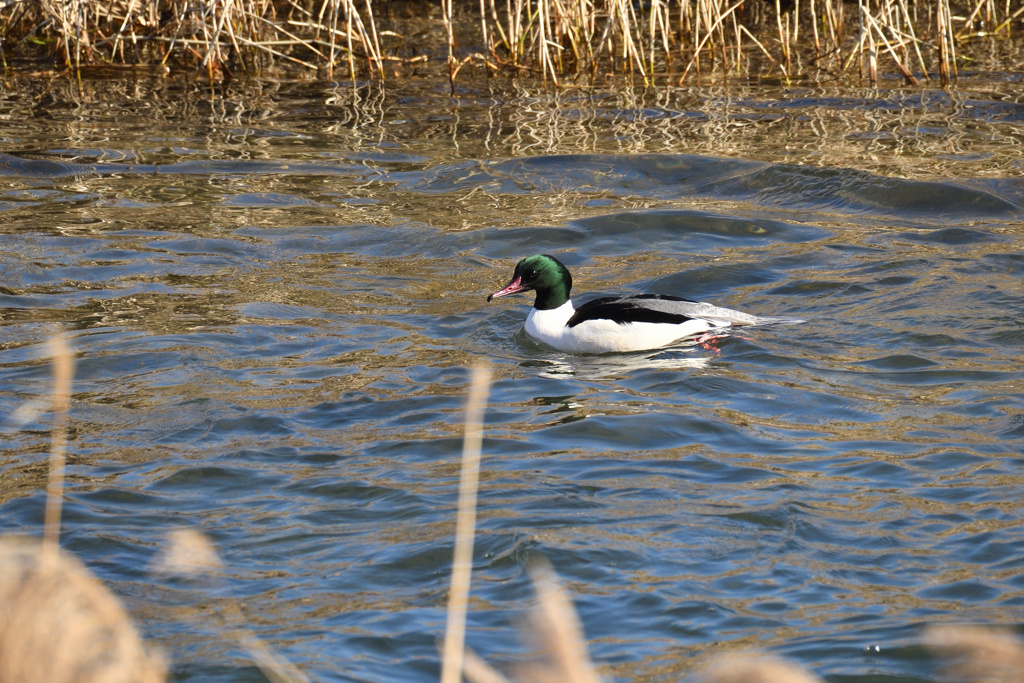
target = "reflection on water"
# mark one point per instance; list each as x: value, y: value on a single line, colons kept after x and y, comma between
x: 617, y: 366
x: 274, y: 299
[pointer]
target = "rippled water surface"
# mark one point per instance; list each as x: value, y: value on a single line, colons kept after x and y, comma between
x: 275, y: 294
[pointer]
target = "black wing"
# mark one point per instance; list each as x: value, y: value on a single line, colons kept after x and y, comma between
x: 636, y: 308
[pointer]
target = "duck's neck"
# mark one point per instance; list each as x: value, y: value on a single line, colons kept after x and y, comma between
x: 551, y: 297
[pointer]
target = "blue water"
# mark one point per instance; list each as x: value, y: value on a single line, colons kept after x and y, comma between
x: 275, y: 296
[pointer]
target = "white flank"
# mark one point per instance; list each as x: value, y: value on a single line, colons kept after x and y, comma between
x: 603, y: 336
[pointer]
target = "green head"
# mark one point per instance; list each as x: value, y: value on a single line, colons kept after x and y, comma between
x: 543, y: 274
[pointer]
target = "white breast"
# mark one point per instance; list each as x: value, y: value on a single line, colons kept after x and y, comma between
x: 549, y: 326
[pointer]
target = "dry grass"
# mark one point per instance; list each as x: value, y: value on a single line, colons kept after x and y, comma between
x: 755, y: 668
x: 62, y: 625
x: 978, y: 655
x: 59, y: 623
x: 555, y: 632
x: 188, y: 553
x: 465, y: 528
x: 557, y: 41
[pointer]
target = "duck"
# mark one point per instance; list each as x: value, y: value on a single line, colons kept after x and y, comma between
x: 614, y: 324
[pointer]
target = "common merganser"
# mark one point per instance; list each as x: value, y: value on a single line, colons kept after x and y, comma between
x: 634, y: 322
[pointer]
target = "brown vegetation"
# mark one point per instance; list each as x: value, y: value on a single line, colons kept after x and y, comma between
x: 62, y: 625
x: 978, y: 655
x: 557, y: 41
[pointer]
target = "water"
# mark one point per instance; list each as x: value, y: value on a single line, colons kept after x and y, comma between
x: 275, y: 298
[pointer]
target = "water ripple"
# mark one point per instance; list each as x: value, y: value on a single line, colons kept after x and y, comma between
x: 273, y: 320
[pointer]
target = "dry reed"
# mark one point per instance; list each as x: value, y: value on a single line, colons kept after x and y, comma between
x: 978, y: 655
x: 465, y: 528
x: 187, y: 553
x: 556, y: 40
x: 63, y: 371
x: 554, y: 628
x: 756, y: 668
x: 60, y: 624
x: 191, y: 554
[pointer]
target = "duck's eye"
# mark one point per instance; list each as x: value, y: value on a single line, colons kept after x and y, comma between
x: 531, y: 274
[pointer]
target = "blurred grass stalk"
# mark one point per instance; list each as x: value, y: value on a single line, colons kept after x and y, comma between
x: 556, y: 40
x: 554, y: 628
x: 63, y: 372
x: 465, y: 527
x: 63, y: 625
x: 60, y: 624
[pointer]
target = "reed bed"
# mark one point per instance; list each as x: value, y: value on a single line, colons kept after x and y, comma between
x: 556, y: 41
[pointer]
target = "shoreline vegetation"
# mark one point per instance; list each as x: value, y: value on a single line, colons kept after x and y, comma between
x: 557, y: 42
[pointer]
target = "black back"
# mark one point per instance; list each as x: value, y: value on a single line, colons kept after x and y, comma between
x: 628, y: 309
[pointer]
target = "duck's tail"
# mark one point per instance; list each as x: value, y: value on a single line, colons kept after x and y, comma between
x: 761, y: 320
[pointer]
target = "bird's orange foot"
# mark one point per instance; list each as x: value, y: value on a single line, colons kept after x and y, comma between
x: 709, y: 341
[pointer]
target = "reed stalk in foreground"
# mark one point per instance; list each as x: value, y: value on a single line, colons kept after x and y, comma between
x: 63, y: 371
x: 978, y: 655
x: 191, y: 553
x: 555, y: 627
x: 465, y: 527
x: 59, y: 623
